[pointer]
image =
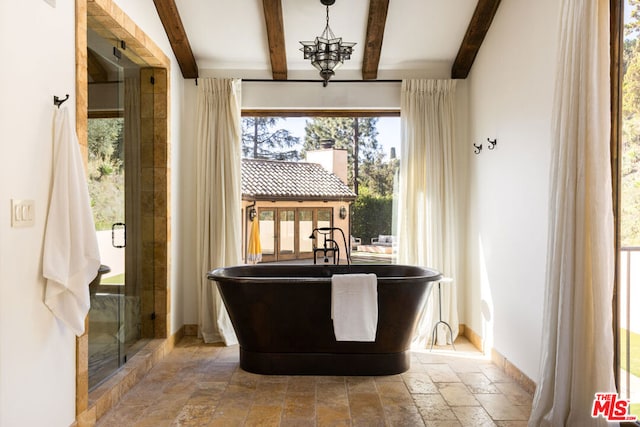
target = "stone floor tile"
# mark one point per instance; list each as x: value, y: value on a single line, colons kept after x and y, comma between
x: 462, y: 365
x: 457, y: 394
x: 478, y: 383
x: 122, y: 416
x: 428, y: 358
x: 473, y: 416
x: 297, y: 422
x: 194, y: 416
x: 388, y: 378
x: 393, y: 393
x: 301, y: 385
x: 500, y: 408
x: 439, y: 423
x: 232, y: 409
x: 333, y: 415
x: 365, y: 405
x: 442, y: 373
x: 361, y: 384
x: 512, y: 423
x: 264, y: 415
x: 150, y: 421
x: 433, y: 407
x: 516, y: 394
x: 419, y: 383
x: 202, y: 385
x: 402, y: 416
x: 495, y: 374
x: 299, y: 406
x: 167, y: 408
x: 208, y: 392
x: 226, y: 422
x: 268, y: 393
x: 332, y: 394
x: 369, y: 422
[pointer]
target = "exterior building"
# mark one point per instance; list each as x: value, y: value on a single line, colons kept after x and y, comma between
x: 291, y: 199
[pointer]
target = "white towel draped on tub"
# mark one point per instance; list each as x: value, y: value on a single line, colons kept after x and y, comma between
x: 71, y: 257
x: 354, y: 306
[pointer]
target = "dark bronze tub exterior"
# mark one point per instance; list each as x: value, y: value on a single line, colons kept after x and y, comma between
x: 282, y: 318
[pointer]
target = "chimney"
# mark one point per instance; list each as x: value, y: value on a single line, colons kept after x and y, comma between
x: 332, y: 159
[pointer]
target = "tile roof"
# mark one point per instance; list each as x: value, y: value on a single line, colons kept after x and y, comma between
x: 281, y: 180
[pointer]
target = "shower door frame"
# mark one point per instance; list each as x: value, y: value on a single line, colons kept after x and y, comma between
x: 105, y: 15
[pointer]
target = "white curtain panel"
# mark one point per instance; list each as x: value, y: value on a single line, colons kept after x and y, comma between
x: 218, y: 198
x: 577, y: 342
x: 426, y: 216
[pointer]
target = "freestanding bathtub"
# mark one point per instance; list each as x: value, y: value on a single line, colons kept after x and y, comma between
x: 282, y: 318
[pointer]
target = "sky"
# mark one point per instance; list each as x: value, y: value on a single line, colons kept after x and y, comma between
x: 388, y: 131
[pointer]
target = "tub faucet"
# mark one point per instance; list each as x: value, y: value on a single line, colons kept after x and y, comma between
x: 329, y: 245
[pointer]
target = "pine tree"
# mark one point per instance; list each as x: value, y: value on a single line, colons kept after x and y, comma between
x: 262, y: 140
x: 365, y: 157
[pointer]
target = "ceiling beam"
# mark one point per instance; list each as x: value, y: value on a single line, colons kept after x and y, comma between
x: 373, y: 41
x: 168, y: 12
x: 478, y: 27
x: 275, y: 36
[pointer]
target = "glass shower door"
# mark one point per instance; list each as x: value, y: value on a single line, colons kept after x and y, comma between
x: 106, y: 138
x: 115, y: 320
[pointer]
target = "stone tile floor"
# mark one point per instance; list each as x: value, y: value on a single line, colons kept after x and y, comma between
x: 202, y: 385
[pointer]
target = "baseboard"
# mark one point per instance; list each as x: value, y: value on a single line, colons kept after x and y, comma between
x: 191, y: 330
x: 500, y: 361
x: 108, y: 394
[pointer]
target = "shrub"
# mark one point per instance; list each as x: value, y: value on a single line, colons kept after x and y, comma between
x: 371, y: 216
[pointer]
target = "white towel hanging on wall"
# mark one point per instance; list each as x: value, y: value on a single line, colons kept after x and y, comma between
x: 71, y: 256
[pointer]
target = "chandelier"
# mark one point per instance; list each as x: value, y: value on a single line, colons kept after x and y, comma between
x: 327, y: 52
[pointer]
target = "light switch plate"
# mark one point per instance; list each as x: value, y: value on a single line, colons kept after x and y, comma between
x: 23, y: 213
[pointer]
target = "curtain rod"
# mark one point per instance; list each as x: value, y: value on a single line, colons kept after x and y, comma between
x: 319, y: 81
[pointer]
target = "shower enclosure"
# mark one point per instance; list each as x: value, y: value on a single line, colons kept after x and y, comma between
x: 116, y: 327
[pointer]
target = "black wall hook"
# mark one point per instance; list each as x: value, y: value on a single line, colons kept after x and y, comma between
x: 58, y: 102
x: 492, y: 144
x: 478, y: 148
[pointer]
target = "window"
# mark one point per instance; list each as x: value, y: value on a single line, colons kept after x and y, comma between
x: 370, y: 145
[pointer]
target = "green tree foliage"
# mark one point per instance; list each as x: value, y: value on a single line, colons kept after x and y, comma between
x: 630, y: 174
x: 262, y: 140
x: 373, y: 172
x: 106, y: 171
x: 380, y: 178
x: 373, y: 182
x: 371, y: 216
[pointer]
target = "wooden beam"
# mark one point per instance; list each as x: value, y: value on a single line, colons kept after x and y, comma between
x: 275, y: 35
x: 478, y: 27
x: 168, y: 12
x: 373, y: 42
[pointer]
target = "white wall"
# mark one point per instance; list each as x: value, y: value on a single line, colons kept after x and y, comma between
x: 37, y: 354
x: 511, y: 94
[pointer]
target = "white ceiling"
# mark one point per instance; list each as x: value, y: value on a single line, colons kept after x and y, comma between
x: 421, y: 37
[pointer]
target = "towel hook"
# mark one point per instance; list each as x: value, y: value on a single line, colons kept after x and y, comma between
x: 492, y: 144
x: 58, y: 102
x: 478, y: 148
